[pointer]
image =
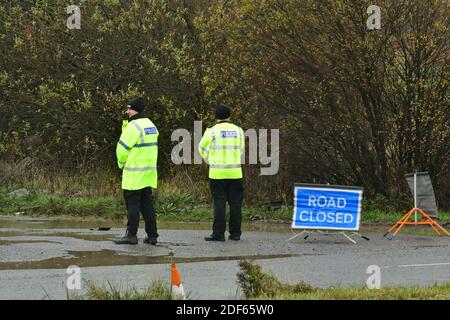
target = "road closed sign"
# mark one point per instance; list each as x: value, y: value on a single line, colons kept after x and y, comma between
x: 325, y: 207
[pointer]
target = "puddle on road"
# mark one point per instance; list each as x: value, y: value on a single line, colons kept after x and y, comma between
x: 48, y: 233
x: 112, y: 258
x: 80, y: 236
x: 31, y: 224
x: 10, y: 222
x: 11, y: 242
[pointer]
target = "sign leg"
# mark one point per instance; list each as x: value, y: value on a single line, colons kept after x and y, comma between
x: 364, y: 237
x: 350, y: 239
x: 295, y: 236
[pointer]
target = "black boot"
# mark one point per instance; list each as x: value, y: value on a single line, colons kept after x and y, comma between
x: 127, y: 239
x: 215, y: 238
x: 150, y: 240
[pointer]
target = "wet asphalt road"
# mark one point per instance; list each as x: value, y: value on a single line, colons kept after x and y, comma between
x: 34, y: 256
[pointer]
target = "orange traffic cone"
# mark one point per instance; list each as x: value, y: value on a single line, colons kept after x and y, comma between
x: 177, y: 286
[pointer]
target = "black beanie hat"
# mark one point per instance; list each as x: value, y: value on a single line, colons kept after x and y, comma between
x: 137, y: 104
x: 223, y: 111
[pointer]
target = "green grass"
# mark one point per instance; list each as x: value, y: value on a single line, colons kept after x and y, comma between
x: 61, y: 195
x: 434, y: 292
x: 170, y: 206
x: 256, y: 284
x: 378, y: 216
x: 157, y: 290
x: 55, y: 205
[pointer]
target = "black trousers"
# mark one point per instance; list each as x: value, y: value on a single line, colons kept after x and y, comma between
x: 223, y: 191
x: 140, y: 201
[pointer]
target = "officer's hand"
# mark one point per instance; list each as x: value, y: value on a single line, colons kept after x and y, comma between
x: 124, y: 124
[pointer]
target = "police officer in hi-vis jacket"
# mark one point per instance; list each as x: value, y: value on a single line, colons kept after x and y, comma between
x: 222, y: 147
x: 137, y: 154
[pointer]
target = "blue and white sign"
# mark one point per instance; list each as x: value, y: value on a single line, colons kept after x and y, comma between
x: 327, y: 207
x: 151, y: 130
x: 228, y: 134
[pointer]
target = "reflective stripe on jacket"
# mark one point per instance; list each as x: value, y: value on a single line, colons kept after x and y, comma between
x: 137, y: 154
x: 222, y: 147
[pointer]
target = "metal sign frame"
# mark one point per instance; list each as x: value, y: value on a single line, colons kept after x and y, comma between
x: 414, y: 175
x: 427, y: 220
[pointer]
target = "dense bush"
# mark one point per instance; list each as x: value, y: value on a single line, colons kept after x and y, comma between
x: 353, y: 106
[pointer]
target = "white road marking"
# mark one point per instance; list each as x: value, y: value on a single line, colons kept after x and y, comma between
x: 424, y: 265
x: 417, y: 265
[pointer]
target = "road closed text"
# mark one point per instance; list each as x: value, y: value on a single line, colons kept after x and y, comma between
x: 315, y: 215
x: 330, y: 217
x: 326, y: 208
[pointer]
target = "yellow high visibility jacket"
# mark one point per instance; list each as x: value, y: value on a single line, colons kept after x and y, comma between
x: 137, y: 154
x: 222, y: 147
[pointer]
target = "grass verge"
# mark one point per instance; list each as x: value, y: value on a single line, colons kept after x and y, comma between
x: 256, y: 284
x: 157, y: 290
x: 170, y: 206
